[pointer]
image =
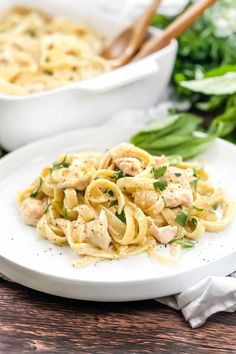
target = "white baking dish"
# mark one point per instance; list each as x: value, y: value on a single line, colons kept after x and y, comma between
x: 138, y: 85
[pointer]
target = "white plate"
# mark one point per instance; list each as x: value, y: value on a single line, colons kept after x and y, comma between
x: 31, y: 261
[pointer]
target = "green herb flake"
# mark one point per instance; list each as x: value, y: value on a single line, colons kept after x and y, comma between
x: 194, y: 183
x: 160, y: 185
x: 182, y: 217
x: 31, y: 33
x: 58, y: 165
x: 35, y: 192
x: 215, y: 206
x: 184, y: 243
x: 118, y: 174
x: 49, y: 205
x: 110, y: 192
x: 47, y: 208
x: 193, y: 221
x: 121, y: 216
x: 197, y: 208
x: 159, y: 172
x: 177, y: 174
x: 113, y: 203
x: 64, y: 212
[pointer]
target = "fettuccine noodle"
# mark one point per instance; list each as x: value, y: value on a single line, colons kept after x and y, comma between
x: 39, y: 52
x: 122, y: 203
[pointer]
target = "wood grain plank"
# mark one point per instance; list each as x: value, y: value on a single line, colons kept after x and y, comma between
x: 31, y: 321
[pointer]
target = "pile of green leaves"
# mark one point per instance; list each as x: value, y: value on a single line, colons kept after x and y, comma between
x: 219, y: 93
x: 209, y: 43
x: 174, y: 136
x: 205, y: 75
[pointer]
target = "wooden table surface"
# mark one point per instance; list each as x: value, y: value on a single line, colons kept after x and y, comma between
x: 31, y: 322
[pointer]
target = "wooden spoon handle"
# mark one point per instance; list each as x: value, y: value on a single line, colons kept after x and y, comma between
x: 139, y: 31
x: 175, y: 29
x: 145, y: 19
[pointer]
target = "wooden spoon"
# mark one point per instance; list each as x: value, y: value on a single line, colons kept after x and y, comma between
x: 127, y: 44
x: 175, y: 29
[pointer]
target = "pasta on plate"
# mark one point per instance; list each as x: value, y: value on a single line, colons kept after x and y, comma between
x: 39, y: 52
x: 124, y: 202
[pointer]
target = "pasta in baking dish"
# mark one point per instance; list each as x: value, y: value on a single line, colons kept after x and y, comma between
x: 39, y: 52
x: 123, y: 202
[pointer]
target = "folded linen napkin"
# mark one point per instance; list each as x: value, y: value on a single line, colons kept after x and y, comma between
x: 211, y: 295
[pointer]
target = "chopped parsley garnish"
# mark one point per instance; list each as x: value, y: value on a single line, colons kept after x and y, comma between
x: 178, y: 174
x: 113, y: 202
x: 194, y: 183
x: 110, y: 192
x: 184, y: 243
x: 49, y: 204
x: 215, y: 206
x: 160, y: 185
x: 62, y: 164
x: 31, y: 33
x: 196, y: 208
x: 47, y: 207
x: 121, y: 216
x: 182, y: 217
x: 64, y: 212
x: 159, y: 172
x: 192, y: 221
x: 118, y: 174
x: 35, y: 192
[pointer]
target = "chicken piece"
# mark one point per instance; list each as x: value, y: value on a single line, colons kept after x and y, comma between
x: 32, y: 210
x: 164, y: 234
x: 175, y: 195
x: 78, y: 175
x: 97, y: 232
x: 129, y: 165
x: 179, y: 176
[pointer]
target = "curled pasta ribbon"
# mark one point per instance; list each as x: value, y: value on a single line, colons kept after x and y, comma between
x: 95, y: 193
x: 197, y: 232
x: 125, y: 150
x: 228, y: 211
x: 105, y: 174
x: 149, y: 201
x: 134, y: 232
x: 51, y: 232
x: 130, y: 184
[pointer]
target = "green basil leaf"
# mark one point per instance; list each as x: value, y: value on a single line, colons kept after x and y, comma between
x: 220, y: 85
